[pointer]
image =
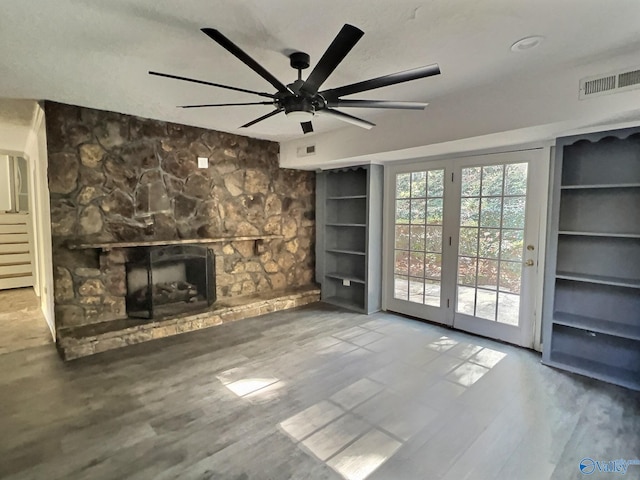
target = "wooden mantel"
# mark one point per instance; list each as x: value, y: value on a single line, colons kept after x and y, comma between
x: 151, y: 243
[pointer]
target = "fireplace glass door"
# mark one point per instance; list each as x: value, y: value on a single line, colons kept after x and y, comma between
x: 169, y: 280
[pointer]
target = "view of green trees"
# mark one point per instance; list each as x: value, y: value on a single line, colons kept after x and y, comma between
x: 492, y: 215
x: 419, y: 217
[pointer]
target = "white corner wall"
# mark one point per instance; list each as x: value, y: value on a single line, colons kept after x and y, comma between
x: 13, y: 137
x: 35, y: 148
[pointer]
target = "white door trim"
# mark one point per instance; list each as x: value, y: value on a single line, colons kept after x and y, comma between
x: 443, y: 314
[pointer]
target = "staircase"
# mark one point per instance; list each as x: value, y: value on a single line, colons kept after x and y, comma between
x: 16, y: 267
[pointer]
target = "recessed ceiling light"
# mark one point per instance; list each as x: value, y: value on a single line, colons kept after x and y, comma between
x: 527, y: 43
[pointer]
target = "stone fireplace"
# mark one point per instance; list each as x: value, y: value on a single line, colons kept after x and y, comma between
x: 117, y: 182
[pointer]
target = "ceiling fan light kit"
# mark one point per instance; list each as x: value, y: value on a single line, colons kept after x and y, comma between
x: 299, y: 115
x: 302, y: 99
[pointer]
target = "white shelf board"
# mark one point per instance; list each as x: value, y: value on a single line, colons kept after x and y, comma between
x: 597, y: 325
x: 347, y: 197
x: 600, y: 185
x: 599, y: 234
x: 593, y: 369
x: 346, y: 252
x: 336, y: 224
x: 599, y: 279
x: 340, y: 276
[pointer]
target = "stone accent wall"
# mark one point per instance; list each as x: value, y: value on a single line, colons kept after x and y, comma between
x: 119, y: 178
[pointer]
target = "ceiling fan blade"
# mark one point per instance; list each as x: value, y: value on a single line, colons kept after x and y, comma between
x: 225, y: 104
x: 307, y: 127
x: 202, y: 82
x: 384, y: 81
x: 232, y: 48
x: 378, y: 104
x: 339, y: 48
x: 345, y: 117
x: 264, y: 117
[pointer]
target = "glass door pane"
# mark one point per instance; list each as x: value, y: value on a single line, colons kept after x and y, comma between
x: 491, y: 242
x: 22, y: 184
x: 418, y: 223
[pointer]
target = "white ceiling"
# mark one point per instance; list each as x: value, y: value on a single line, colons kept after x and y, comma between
x: 97, y: 53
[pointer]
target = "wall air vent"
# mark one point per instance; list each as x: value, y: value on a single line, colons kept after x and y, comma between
x: 600, y: 85
x: 629, y: 78
x: 613, y: 82
x: 306, y: 151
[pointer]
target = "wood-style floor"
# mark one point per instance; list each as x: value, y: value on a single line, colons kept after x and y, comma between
x: 22, y: 324
x: 315, y: 393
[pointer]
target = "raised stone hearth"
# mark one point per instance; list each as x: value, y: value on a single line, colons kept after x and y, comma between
x: 91, y: 339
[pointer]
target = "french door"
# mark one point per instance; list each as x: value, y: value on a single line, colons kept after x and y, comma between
x: 462, y: 244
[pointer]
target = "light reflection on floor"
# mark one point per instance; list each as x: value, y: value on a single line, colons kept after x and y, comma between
x: 249, y: 385
x: 365, y: 455
x: 344, y: 441
x: 478, y: 360
x: 358, y: 428
x: 255, y: 389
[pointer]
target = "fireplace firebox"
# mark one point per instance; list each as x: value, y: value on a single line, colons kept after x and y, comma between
x: 165, y: 281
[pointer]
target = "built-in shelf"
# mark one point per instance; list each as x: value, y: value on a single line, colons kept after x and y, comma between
x: 601, y: 185
x: 597, y: 325
x: 344, y: 303
x: 599, y: 234
x: 600, y: 279
x: 346, y: 252
x: 347, y: 197
x: 151, y: 243
x: 346, y: 225
x: 349, y: 237
x: 340, y: 276
x: 591, y: 368
x: 592, y: 279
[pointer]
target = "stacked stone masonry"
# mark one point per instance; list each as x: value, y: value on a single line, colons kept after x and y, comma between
x: 119, y: 178
x: 89, y: 343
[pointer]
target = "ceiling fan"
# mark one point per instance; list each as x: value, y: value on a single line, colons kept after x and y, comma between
x: 302, y: 99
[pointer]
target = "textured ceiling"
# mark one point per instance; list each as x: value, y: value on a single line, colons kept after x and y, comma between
x: 97, y: 53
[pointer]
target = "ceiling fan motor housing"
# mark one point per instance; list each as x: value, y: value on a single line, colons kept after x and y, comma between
x: 299, y: 60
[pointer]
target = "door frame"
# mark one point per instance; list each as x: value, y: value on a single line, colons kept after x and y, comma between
x: 523, y: 334
x: 542, y: 156
x: 441, y: 315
